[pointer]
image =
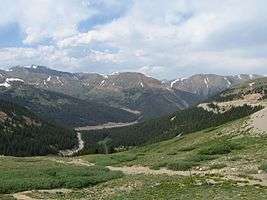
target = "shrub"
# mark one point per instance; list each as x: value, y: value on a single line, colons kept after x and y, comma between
x: 224, y: 147
x: 124, y: 157
x: 264, y: 167
x: 171, y: 153
x: 181, y: 165
x: 188, y: 148
x: 218, y: 166
x: 200, y: 158
x: 159, y: 165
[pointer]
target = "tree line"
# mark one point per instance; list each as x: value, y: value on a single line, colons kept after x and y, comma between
x: 155, y: 130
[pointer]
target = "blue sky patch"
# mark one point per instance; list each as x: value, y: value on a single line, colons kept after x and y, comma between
x: 11, y: 35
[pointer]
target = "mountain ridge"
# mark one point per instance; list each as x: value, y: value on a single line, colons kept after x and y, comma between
x: 131, y: 90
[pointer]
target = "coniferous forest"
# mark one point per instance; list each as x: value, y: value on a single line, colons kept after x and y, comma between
x: 182, y: 122
x: 24, y: 134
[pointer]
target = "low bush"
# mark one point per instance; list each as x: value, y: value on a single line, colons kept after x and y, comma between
x: 187, y: 148
x: 159, y: 165
x: 181, y: 165
x: 264, y: 167
x: 217, y: 148
x: 218, y: 166
x: 124, y: 157
x: 200, y: 158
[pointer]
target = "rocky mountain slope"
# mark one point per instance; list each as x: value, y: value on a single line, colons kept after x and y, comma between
x: 130, y: 91
x: 206, y: 85
x: 252, y: 90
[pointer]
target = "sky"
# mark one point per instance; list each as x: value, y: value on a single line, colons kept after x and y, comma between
x: 163, y: 39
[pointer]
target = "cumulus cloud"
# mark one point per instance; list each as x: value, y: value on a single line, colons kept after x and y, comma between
x: 160, y: 38
x: 45, y: 19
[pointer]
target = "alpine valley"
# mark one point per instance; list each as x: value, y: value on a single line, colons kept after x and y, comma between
x: 129, y: 136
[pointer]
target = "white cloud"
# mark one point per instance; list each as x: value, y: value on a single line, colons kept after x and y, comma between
x: 45, y: 19
x: 167, y: 37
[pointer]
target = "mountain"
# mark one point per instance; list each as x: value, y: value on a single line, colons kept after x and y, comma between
x: 129, y: 91
x: 232, y: 104
x: 251, y: 90
x: 61, y: 108
x: 207, y: 85
x: 133, y: 92
x: 22, y: 133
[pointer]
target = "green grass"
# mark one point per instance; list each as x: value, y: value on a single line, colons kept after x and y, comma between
x: 6, y: 197
x: 161, y: 187
x: 37, y: 173
x: 111, y: 159
x: 187, y: 189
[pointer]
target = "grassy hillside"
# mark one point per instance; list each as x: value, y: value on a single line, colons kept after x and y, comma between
x: 225, y: 144
x: 226, y: 162
x: 22, y: 133
x: 180, y: 123
x: 44, y: 173
x: 223, y: 162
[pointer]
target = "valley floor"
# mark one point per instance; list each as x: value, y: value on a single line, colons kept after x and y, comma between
x: 225, y: 162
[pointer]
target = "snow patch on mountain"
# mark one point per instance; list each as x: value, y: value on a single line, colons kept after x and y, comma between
x: 59, y: 81
x: 175, y: 81
x: 5, y: 84
x: 14, y: 79
x: 8, y: 80
x: 228, y: 82
x: 206, y: 80
x: 115, y: 73
x: 102, y: 83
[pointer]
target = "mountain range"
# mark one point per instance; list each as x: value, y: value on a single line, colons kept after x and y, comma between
x: 78, y: 99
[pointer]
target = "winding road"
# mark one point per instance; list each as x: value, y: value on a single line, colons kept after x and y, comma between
x: 71, y: 152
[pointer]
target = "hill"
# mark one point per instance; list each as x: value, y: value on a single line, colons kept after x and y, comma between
x: 180, y: 123
x: 184, y: 121
x: 22, y: 133
x: 61, y: 108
